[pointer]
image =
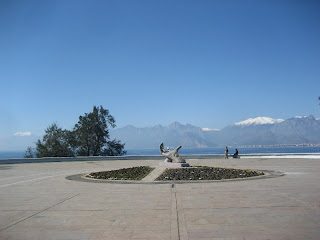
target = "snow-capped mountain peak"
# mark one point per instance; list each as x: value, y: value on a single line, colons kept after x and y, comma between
x: 258, y: 121
x: 210, y: 129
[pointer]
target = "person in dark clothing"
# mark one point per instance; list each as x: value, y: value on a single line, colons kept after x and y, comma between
x: 235, y: 155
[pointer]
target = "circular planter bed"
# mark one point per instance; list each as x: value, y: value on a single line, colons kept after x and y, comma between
x: 176, y: 174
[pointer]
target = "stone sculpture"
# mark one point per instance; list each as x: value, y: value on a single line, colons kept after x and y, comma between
x: 171, y: 155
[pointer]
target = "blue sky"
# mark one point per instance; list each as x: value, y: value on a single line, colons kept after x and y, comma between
x: 206, y: 63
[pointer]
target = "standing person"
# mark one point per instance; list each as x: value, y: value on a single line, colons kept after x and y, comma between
x: 226, y: 151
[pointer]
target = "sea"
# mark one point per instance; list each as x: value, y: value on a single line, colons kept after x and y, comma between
x: 245, y: 150
x: 186, y: 151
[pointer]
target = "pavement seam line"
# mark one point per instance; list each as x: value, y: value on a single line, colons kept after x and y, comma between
x: 175, y: 196
x: 306, y: 204
x: 2, y: 179
x: 175, y: 231
x: 31, y: 180
x: 23, y: 219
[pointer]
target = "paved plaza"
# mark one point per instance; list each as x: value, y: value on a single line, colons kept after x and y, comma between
x: 38, y: 202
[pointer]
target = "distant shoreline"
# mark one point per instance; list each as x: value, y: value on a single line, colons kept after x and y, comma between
x: 156, y: 158
x: 243, y: 150
x: 280, y: 146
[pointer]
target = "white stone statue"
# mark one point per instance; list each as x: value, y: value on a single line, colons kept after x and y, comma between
x: 171, y: 155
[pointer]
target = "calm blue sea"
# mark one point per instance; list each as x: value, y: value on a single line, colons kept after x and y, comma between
x: 254, y: 150
x: 259, y: 150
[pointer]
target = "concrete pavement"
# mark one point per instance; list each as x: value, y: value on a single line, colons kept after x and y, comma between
x: 38, y: 202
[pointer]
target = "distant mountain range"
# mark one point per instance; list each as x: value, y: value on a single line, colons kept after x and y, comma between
x: 254, y: 131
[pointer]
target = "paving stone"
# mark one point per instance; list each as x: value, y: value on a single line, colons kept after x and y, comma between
x: 38, y: 202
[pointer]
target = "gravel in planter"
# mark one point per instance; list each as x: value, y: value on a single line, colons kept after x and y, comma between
x: 206, y: 173
x: 134, y: 173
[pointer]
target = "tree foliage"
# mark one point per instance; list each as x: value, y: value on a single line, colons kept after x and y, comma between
x: 55, y: 143
x: 114, y: 148
x: 89, y: 137
x: 93, y: 134
x: 29, y: 153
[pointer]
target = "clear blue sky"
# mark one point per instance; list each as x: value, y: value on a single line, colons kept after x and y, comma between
x: 206, y: 63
